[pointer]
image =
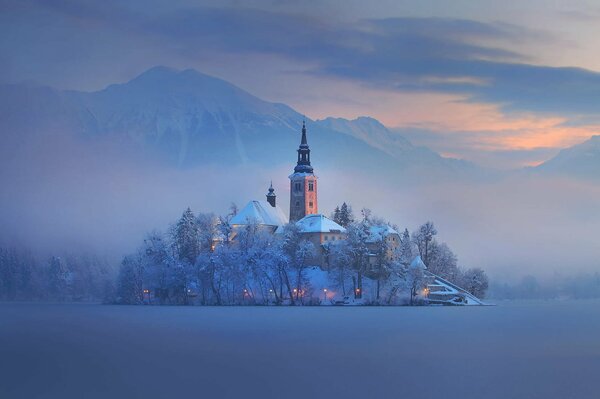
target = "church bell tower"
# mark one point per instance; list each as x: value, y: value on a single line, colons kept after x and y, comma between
x: 303, y: 183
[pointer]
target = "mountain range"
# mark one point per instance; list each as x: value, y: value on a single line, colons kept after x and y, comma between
x: 186, y: 119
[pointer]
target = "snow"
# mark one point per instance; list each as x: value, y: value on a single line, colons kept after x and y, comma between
x: 319, y: 223
x: 418, y: 262
x: 260, y: 212
x: 378, y: 232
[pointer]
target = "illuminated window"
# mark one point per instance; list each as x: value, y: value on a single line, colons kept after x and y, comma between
x: 311, y: 185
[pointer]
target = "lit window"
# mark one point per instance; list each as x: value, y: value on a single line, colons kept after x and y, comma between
x: 311, y: 185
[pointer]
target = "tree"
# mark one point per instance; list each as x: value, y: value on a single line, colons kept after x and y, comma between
x: 335, y: 216
x: 130, y: 281
x: 383, y: 261
x: 343, y: 215
x: 366, y: 215
x: 186, y: 238
x: 339, y: 262
x: 57, y: 278
x: 415, y: 279
x: 406, y: 253
x: 305, y: 251
x: 443, y: 262
x: 358, y: 251
x: 475, y: 281
x: 207, y: 225
x: 422, y: 238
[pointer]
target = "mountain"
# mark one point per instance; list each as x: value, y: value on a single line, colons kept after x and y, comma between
x: 369, y: 130
x: 187, y: 119
x: 581, y: 160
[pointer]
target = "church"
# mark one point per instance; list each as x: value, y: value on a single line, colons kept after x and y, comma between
x: 304, y: 206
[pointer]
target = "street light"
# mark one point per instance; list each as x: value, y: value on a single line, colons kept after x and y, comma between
x: 325, y: 293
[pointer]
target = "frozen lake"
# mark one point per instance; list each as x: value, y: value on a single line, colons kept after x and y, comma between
x: 542, y: 350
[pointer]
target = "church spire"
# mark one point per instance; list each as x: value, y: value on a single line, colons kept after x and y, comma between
x: 271, y: 197
x: 304, y: 142
x: 303, y: 165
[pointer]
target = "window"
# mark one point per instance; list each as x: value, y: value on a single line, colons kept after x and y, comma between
x: 311, y: 185
x: 297, y: 187
x: 326, y: 238
x: 297, y: 204
x: 310, y: 204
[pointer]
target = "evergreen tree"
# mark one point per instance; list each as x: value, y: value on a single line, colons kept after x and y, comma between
x: 336, y: 215
x: 346, y: 215
x: 186, y: 237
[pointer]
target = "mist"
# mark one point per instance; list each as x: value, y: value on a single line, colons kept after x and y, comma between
x: 74, y: 195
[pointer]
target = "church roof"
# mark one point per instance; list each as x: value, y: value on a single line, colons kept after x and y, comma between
x: 260, y: 212
x: 319, y: 224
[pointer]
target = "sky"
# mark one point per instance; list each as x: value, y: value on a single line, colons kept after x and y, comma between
x: 504, y: 85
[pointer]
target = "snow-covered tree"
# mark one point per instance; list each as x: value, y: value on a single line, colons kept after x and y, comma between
x: 475, y: 281
x: 382, y: 262
x: 305, y: 252
x: 185, y: 237
x: 443, y: 262
x: 415, y: 279
x: 422, y: 239
x: 338, y: 253
x: 358, y: 252
x: 343, y: 215
x: 130, y: 281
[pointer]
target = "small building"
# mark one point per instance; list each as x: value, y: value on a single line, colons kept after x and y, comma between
x: 378, y: 233
x: 320, y: 230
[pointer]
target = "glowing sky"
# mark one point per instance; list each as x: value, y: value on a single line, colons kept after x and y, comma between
x: 502, y: 85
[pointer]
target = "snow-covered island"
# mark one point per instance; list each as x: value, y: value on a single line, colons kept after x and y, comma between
x: 257, y: 256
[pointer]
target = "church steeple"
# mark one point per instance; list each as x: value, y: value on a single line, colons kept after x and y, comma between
x: 303, y: 183
x: 271, y: 197
x: 303, y: 165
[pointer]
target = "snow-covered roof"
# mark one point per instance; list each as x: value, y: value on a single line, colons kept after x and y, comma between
x: 260, y: 212
x: 376, y: 233
x: 319, y: 224
x: 418, y: 262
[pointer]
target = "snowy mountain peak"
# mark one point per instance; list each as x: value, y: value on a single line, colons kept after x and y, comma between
x: 581, y: 160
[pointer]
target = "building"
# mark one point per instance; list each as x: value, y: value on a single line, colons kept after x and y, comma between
x: 265, y: 214
x: 320, y: 230
x: 377, y: 233
x: 303, y: 184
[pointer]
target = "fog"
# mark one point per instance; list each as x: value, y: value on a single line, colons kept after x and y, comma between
x: 102, y: 197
